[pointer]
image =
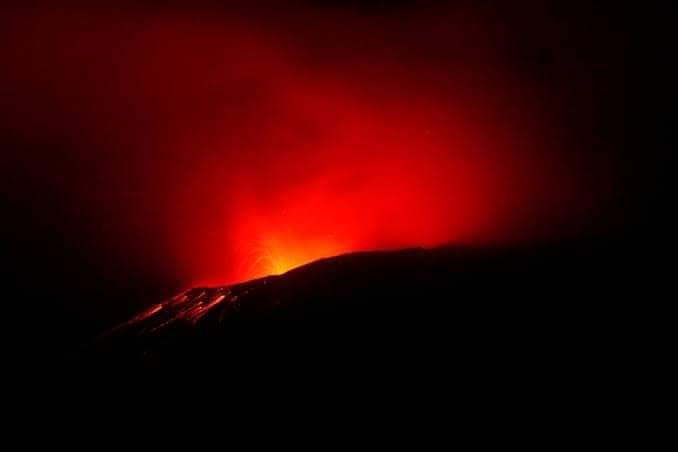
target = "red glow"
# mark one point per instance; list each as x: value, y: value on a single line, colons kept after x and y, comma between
x: 220, y: 149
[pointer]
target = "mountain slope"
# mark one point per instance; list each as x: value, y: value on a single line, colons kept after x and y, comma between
x: 376, y: 304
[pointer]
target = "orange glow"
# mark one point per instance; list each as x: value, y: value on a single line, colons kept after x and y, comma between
x: 275, y: 256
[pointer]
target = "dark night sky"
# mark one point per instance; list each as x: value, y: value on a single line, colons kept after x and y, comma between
x: 147, y: 146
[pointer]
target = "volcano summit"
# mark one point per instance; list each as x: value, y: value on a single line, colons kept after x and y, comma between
x: 407, y: 302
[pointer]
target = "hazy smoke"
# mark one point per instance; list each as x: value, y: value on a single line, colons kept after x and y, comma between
x: 216, y: 146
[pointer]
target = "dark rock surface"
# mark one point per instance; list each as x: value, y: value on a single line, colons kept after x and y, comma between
x: 441, y: 303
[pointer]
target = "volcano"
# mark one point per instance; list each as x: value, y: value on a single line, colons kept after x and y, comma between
x: 408, y: 302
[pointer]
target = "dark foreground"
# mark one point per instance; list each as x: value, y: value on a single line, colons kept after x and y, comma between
x: 443, y: 305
